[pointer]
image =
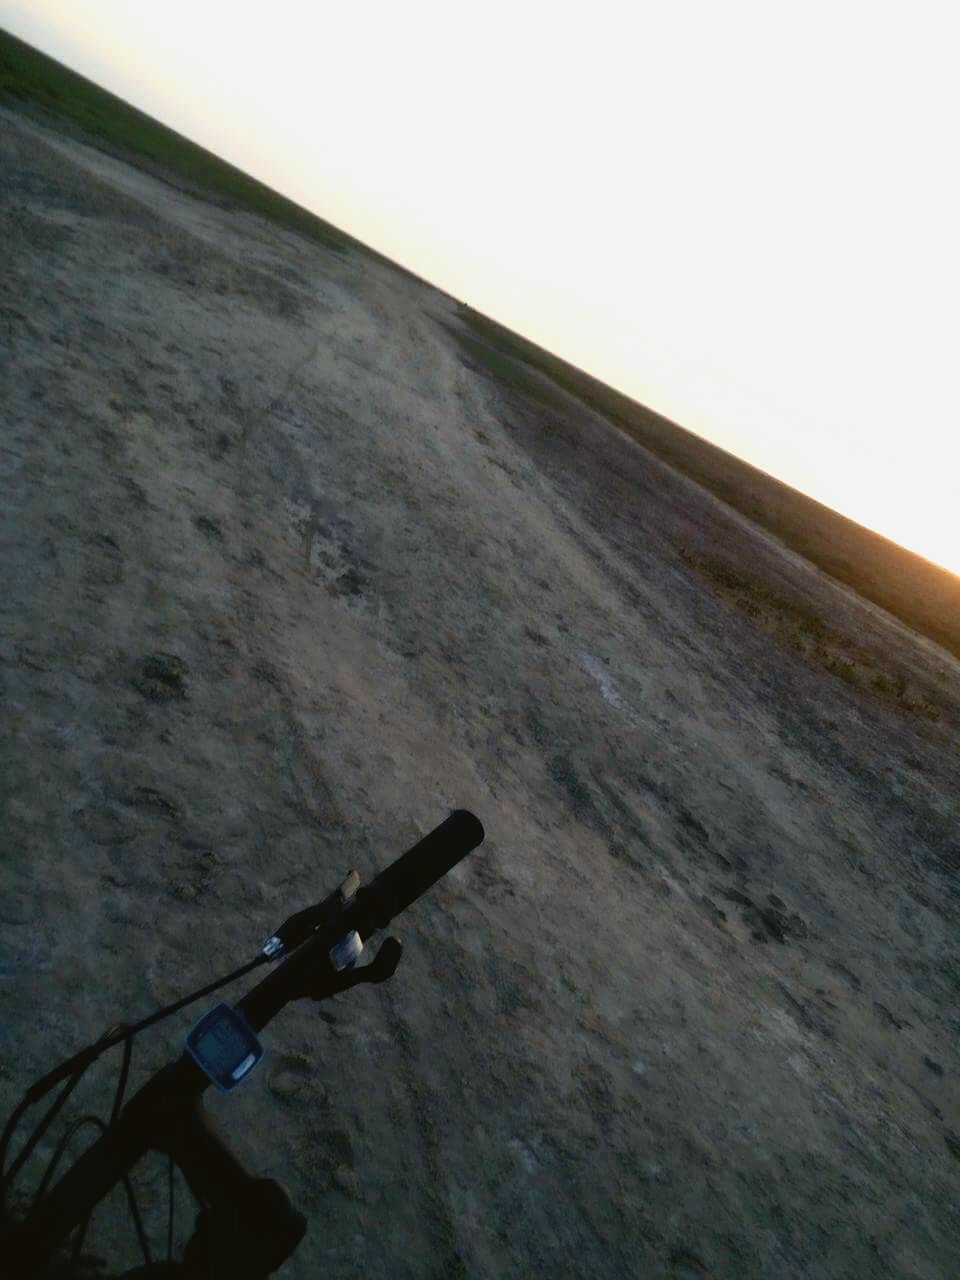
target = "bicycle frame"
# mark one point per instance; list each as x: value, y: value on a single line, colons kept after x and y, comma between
x: 249, y: 1227
x: 250, y: 1219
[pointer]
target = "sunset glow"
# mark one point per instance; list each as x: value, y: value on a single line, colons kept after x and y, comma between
x: 744, y: 216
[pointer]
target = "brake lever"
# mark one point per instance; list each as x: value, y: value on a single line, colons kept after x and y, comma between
x: 381, y: 967
x: 296, y: 929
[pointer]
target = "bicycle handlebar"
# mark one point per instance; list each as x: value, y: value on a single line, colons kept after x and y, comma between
x: 166, y: 1114
x: 415, y: 871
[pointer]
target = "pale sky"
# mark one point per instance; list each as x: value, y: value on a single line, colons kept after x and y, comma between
x: 744, y: 215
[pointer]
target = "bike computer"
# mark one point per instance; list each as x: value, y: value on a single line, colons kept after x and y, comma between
x: 224, y: 1046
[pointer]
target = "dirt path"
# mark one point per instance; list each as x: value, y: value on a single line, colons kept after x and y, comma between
x: 691, y: 1010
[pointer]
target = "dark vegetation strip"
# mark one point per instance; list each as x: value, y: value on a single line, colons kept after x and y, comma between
x: 919, y: 593
x: 796, y: 624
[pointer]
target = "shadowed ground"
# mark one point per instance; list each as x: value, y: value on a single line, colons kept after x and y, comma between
x: 692, y: 1008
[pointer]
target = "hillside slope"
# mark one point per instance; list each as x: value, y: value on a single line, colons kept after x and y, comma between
x: 922, y: 595
x: 691, y: 1008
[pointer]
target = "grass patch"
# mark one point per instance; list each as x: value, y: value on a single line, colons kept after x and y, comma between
x: 921, y: 594
x: 509, y: 373
x: 802, y: 629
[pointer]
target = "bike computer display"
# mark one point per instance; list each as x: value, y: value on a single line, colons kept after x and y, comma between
x: 224, y: 1046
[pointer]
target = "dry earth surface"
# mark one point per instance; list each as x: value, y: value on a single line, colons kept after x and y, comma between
x: 691, y: 1010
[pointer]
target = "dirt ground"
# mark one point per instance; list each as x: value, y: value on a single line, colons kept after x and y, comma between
x: 691, y: 1010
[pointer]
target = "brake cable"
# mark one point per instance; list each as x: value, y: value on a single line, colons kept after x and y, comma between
x: 295, y: 930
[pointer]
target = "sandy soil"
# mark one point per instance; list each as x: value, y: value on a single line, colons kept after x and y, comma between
x: 692, y: 1008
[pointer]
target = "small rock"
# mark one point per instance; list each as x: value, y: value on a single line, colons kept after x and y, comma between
x: 209, y: 527
x: 294, y: 1079
x: 349, y: 583
x: 152, y: 801
x: 797, y: 926
x: 287, y: 1084
x: 713, y: 911
x: 734, y: 895
x: 776, y: 902
x: 687, y: 1266
x: 935, y: 1067
x: 886, y: 1017
x: 773, y: 922
x: 849, y: 977
x: 267, y: 674
x: 162, y: 676
x: 348, y: 1182
x: 333, y: 1147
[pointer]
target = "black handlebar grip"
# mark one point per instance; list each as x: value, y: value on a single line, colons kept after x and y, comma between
x: 428, y: 861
